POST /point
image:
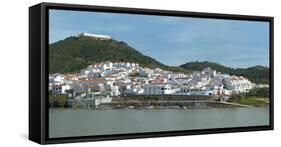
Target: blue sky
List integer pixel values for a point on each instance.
(172, 40)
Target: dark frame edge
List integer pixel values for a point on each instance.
(146, 11)
(44, 72)
(34, 74)
(37, 75)
(271, 64)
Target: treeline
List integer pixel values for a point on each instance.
(256, 97)
(256, 74)
(254, 93)
(259, 92)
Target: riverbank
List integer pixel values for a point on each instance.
(184, 104)
(251, 100)
(166, 102)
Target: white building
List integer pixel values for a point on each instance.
(147, 72)
(209, 71)
(102, 100)
(221, 76)
(56, 79)
(238, 84)
(187, 90)
(60, 89)
(115, 91)
(158, 89)
(78, 89)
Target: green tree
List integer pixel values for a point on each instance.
(61, 100)
(52, 100)
(259, 92)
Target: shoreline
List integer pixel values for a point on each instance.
(170, 107)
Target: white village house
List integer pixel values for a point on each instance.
(158, 89)
(238, 84)
(124, 78)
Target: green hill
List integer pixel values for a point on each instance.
(257, 74)
(75, 53)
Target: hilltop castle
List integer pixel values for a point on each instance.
(97, 36)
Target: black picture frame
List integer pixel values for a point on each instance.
(38, 72)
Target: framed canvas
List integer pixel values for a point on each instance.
(103, 73)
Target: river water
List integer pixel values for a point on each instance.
(85, 122)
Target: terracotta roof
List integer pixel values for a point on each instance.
(91, 87)
(237, 78)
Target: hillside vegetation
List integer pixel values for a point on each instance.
(75, 53)
(257, 74)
